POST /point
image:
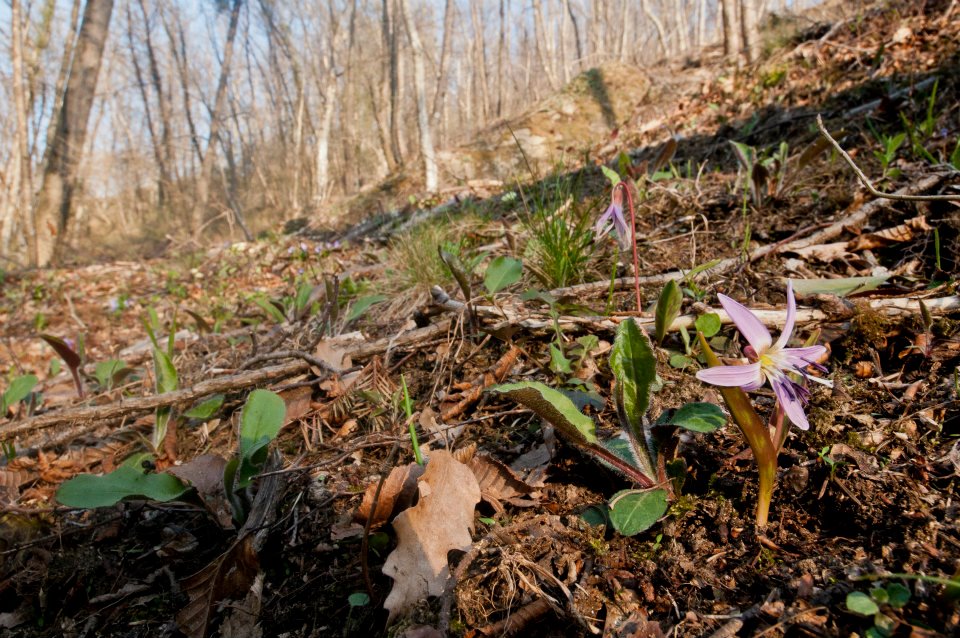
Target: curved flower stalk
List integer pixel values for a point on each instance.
(784, 368)
(613, 219)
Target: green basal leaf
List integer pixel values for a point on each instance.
(859, 603)
(680, 361)
(708, 324)
(668, 307)
(263, 416)
(105, 372)
(552, 406)
(558, 362)
(699, 417)
(839, 287)
(206, 409)
(268, 307)
(622, 448)
(363, 304)
(18, 390)
(502, 272)
(634, 511)
(610, 174)
(635, 368)
(89, 491)
(166, 373)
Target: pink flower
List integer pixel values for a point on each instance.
(770, 361)
(612, 217)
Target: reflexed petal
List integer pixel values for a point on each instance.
(791, 317)
(801, 357)
(604, 224)
(790, 403)
(750, 327)
(733, 376)
(619, 223)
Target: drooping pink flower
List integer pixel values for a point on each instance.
(612, 218)
(769, 361)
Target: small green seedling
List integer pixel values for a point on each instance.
(892, 597)
(18, 390)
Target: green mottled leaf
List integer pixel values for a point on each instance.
(860, 603)
(708, 324)
(17, 391)
(358, 599)
(668, 307)
(635, 367)
(206, 409)
(558, 362)
(166, 373)
(106, 371)
(699, 417)
(634, 511)
(363, 304)
(502, 272)
(88, 491)
(263, 416)
(552, 406)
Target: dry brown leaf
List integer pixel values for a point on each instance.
(497, 481)
(439, 522)
(227, 576)
(336, 351)
(888, 236)
(298, 402)
(205, 474)
(396, 495)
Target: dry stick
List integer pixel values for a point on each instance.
(866, 180)
(221, 384)
(830, 232)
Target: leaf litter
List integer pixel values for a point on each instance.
(868, 494)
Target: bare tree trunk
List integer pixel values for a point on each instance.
(480, 58)
(167, 170)
(390, 46)
(750, 28)
(576, 32)
(728, 21)
(420, 85)
(55, 200)
(543, 52)
(683, 42)
(202, 195)
(22, 213)
(624, 21)
(501, 50)
(657, 24)
(440, 91)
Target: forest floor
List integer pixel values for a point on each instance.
(339, 324)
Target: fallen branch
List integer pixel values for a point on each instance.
(833, 230)
(228, 383)
(869, 185)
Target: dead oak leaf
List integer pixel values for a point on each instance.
(396, 495)
(439, 522)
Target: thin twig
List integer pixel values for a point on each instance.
(869, 185)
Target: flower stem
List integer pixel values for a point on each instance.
(756, 433)
(633, 243)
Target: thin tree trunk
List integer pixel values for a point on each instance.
(390, 45)
(731, 44)
(658, 25)
(576, 32)
(23, 186)
(420, 86)
(750, 28)
(480, 59)
(55, 200)
(543, 52)
(167, 170)
(680, 16)
(624, 21)
(440, 91)
(501, 51)
(202, 194)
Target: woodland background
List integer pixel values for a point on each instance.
(128, 128)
